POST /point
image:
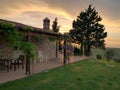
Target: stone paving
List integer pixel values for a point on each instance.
(37, 67)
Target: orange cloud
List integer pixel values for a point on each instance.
(65, 28)
(21, 7)
(110, 22)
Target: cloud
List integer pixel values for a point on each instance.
(70, 9)
(19, 6)
(35, 18)
(113, 42)
(11, 8)
(73, 7)
(32, 12)
(108, 9)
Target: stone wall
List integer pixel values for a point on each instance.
(45, 48)
(6, 51)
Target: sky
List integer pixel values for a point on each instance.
(32, 12)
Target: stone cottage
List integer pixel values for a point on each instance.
(46, 49)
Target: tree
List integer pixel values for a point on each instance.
(87, 30)
(55, 27)
(109, 54)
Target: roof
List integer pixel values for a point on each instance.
(21, 26)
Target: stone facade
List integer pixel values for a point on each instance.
(6, 51)
(45, 48)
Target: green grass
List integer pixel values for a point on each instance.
(84, 75)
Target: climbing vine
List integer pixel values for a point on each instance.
(53, 39)
(27, 28)
(41, 37)
(12, 34)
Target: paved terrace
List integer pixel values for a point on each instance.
(37, 67)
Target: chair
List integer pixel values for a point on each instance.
(4, 64)
(17, 62)
(1, 64)
(20, 61)
(13, 62)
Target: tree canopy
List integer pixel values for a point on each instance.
(88, 31)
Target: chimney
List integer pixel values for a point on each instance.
(46, 24)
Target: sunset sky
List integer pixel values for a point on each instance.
(32, 12)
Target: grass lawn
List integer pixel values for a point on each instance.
(84, 75)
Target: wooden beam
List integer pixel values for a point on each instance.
(64, 54)
(27, 58)
(56, 49)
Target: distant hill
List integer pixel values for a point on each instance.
(102, 52)
(117, 52)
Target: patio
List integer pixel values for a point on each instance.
(37, 67)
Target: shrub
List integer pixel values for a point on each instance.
(77, 51)
(98, 56)
(117, 60)
(109, 54)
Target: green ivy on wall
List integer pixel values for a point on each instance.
(53, 39)
(27, 28)
(12, 34)
(41, 37)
